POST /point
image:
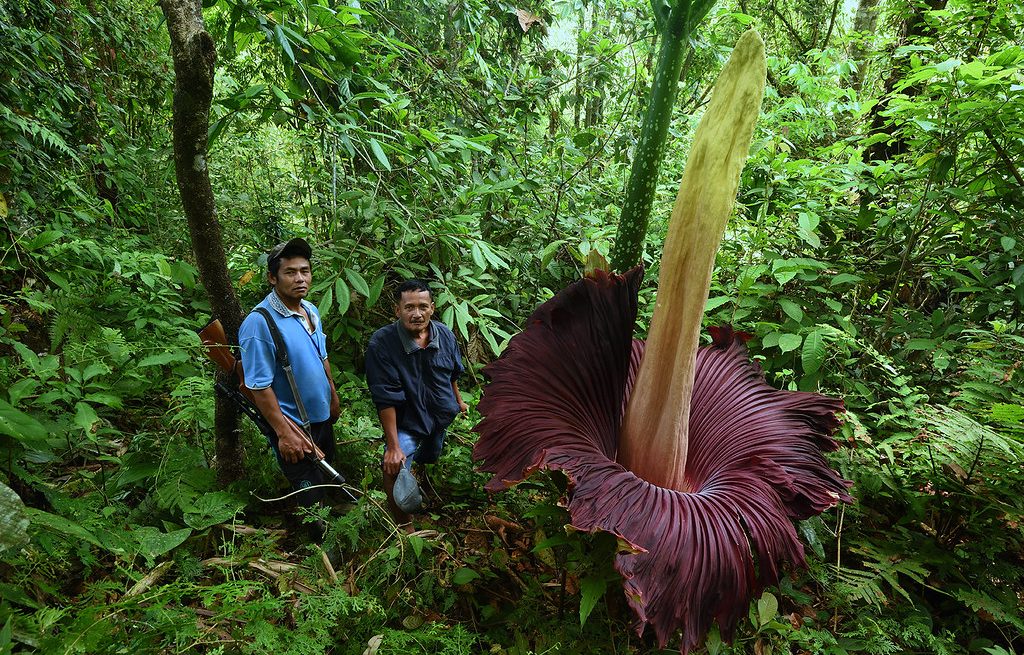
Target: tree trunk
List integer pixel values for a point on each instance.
(864, 23)
(914, 28)
(194, 58)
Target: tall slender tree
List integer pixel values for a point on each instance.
(194, 56)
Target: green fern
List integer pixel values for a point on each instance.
(38, 132)
(967, 445)
(882, 573)
(1001, 611)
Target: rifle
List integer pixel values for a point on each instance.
(217, 349)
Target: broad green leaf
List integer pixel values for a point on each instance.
(489, 338)
(327, 302)
(808, 224)
(845, 278)
(549, 251)
(22, 388)
(42, 239)
(464, 576)
(492, 257)
(478, 256)
(785, 275)
(94, 369)
(342, 296)
(791, 309)
(813, 353)
(108, 399)
(153, 542)
(921, 344)
(503, 185)
(285, 44)
(811, 536)
(213, 508)
(16, 423)
(163, 267)
(463, 319)
(358, 282)
(85, 417)
(767, 608)
(280, 94)
(62, 525)
(1007, 243)
(974, 68)
(417, 544)
(591, 589)
(378, 153)
(167, 357)
(584, 139)
(375, 289)
(715, 303)
(713, 641)
(789, 342)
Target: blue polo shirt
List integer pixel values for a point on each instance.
(416, 381)
(306, 351)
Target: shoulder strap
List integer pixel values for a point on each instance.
(275, 334)
(281, 354)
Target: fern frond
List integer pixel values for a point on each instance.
(966, 443)
(999, 611)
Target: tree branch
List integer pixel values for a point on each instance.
(792, 31)
(1005, 157)
(831, 23)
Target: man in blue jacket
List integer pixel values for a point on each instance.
(290, 275)
(412, 369)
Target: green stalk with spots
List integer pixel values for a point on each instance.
(675, 22)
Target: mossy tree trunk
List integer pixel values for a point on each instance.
(194, 55)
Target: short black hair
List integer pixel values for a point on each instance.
(412, 284)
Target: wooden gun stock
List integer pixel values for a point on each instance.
(217, 349)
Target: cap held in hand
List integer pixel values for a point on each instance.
(407, 492)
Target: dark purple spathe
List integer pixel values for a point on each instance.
(555, 401)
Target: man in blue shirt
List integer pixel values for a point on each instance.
(412, 369)
(290, 275)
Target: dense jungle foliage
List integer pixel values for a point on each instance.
(875, 255)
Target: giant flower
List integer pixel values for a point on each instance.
(685, 453)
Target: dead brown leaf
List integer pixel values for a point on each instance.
(528, 20)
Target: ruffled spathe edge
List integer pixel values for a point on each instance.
(555, 400)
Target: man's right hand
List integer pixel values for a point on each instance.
(394, 459)
(292, 443)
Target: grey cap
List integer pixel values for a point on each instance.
(407, 492)
(291, 248)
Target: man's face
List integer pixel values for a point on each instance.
(293, 278)
(414, 310)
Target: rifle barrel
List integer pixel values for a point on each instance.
(250, 410)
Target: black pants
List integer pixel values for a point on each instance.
(305, 473)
